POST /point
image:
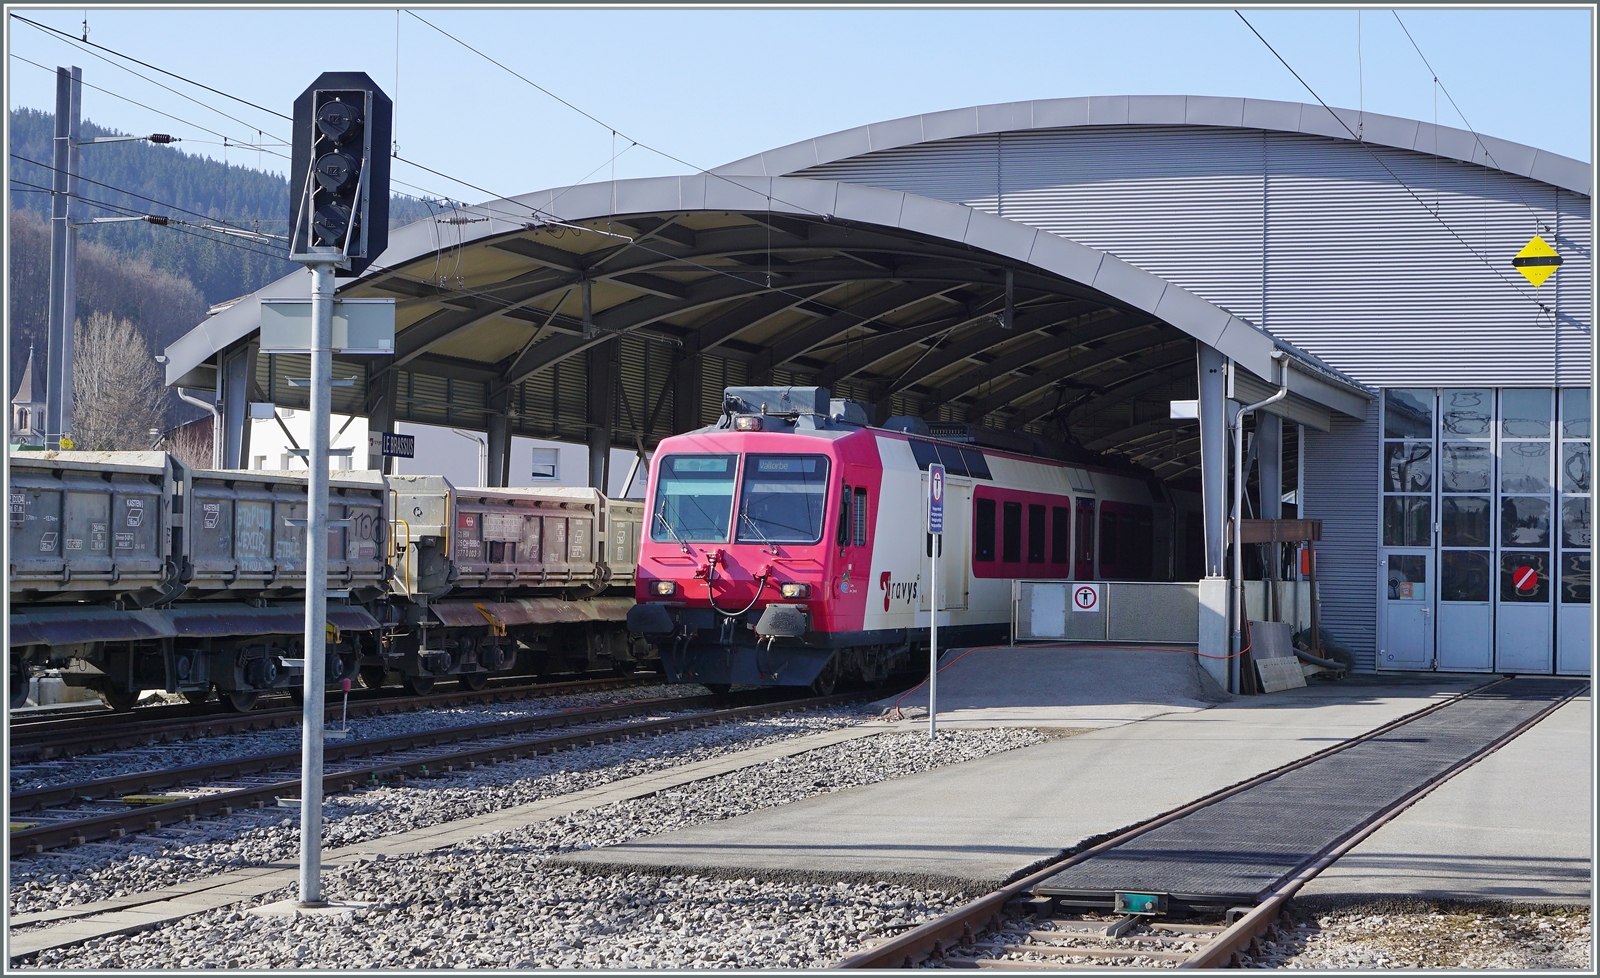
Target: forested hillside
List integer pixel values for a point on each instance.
(161, 278)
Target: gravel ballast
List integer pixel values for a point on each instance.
(210, 749)
(1424, 934)
(498, 902)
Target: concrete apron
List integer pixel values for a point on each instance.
(1055, 686)
(1515, 827)
(976, 825)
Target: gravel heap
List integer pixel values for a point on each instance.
(215, 748)
(1423, 934)
(496, 902)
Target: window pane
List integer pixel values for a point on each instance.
(1464, 521)
(1408, 577)
(977, 466)
(1407, 466)
(950, 457)
(1525, 413)
(1575, 466)
(1465, 467)
(1011, 533)
(1408, 414)
(1407, 521)
(1108, 539)
(1524, 466)
(1575, 412)
(1060, 535)
(983, 530)
(1464, 575)
(1036, 533)
(1575, 529)
(1524, 521)
(1524, 577)
(694, 498)
(1575, 578)
(1466, 413)
(783, 499)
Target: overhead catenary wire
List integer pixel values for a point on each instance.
(1539, 221)
(1387, 169)
(542, 216)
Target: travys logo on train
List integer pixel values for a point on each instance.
(905, 591)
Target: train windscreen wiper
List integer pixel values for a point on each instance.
(745, 515)
(668, 524)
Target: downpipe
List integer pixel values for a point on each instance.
(1238, 512)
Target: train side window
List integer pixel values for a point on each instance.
(858, 518)
(983, 531)
(1060, 535)
(844, 517)
(1035, 533)
(1108, 538)
(1129, 552)
(1011, 533)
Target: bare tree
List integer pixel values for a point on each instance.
(117, 388)
(191, 443)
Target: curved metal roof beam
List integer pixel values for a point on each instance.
(1068, 368)
(1172, 110)
(995, 240)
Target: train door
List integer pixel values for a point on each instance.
(1083, 566)
(953, 546)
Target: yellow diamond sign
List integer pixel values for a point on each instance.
(1537, 261)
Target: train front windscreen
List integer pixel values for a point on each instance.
(781, 500)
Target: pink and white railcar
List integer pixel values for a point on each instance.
(787, 544)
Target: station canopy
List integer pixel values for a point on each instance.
(702, 282)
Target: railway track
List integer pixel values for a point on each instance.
(56, 738)
(1016, 929)
(112, 808)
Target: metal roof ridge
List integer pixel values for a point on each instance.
(1235, 112)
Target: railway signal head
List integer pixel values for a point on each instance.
(339, 174)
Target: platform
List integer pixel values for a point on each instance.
(991, 820)
(1054, 686)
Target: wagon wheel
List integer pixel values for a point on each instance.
(474, 680)
(197, 696)
(19, 688)
(718, 689)
(240, 700)
(827, 678)
(419, 685)
(121, 700)
(372, 677)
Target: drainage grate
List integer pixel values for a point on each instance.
(1234, 851)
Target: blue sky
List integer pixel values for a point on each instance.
(708, 86)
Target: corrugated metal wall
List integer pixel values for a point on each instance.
(1342, 491)
(1308, 236)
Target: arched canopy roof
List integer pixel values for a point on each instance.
(884, 296)
(1173, 110)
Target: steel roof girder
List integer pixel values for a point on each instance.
(902, 296)
(1035, 353)
(1130, 343)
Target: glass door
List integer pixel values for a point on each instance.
(1524, 622)
(1572, 595)
(1466, 530)
(1405, 626)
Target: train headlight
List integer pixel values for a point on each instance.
(664, 588)
(747, 422)
(795, 590)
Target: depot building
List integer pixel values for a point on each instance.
(1111, 276)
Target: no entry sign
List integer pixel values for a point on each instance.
(1525, 578)
(1086, 597)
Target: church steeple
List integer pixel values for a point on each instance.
(27, 407)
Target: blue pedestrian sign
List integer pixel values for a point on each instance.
(935, 498)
